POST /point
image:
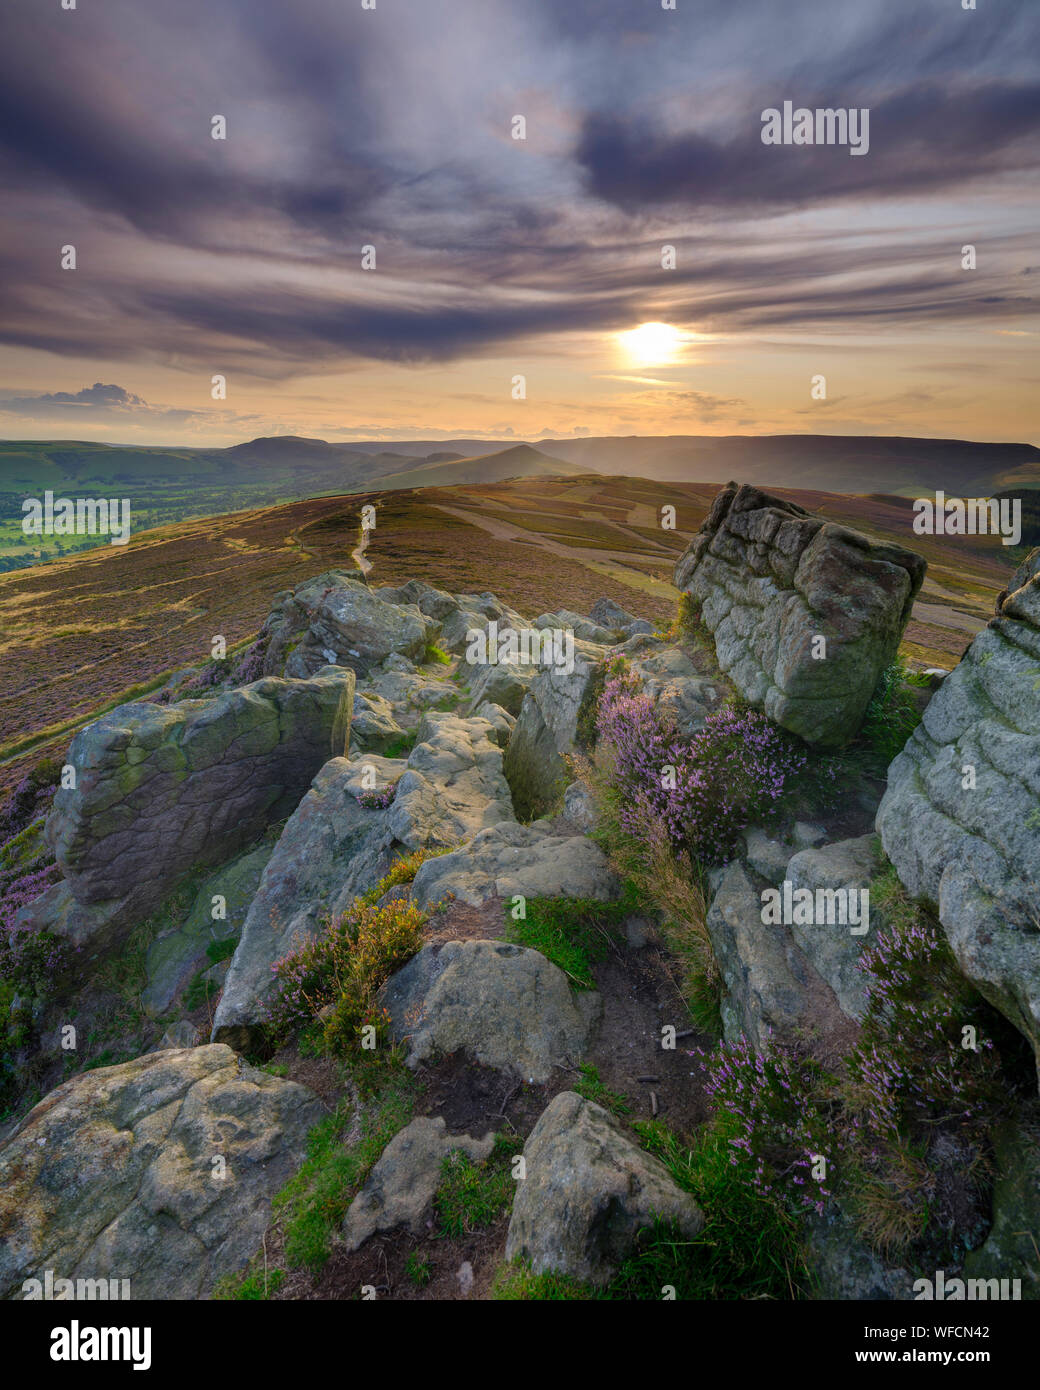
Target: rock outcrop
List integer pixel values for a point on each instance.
(845, 867)
(336, 619)
(960, 819)
(547, 729)
(332, 849)
(588, 1192)
(510, 859)
(453, 786)
(115, 1173)
(161, 790)
(769, 578)
(506, 1006)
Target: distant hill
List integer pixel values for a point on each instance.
(520, 461)
(833, 463)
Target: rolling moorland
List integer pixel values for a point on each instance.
(168, 485)
(370, 1006)
(88, 631)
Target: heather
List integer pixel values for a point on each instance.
(902, 1120)
(740, 769)
(343, 970)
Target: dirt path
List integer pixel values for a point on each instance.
(615, 563)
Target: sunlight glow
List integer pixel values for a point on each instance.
(651, 344)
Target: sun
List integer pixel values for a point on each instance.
(651, 344)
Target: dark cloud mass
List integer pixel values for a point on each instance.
(391, 127)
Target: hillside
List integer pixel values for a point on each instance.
(79, 632)
(519, 461)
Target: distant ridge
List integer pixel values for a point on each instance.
(519, 461)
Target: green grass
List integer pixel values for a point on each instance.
(256, 1286)
(401, 746)
(592, 1088)
(574, 933)
(217, 951)
(419, 1270)
(892, 714)
(473, 1196)
(314, 1202)
(436, 656)
(515, 1283)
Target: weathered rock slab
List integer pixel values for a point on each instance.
(161, 790)
(960, 818)
(332, 849)
(112, 1175)
(510, 859)
(588, 1192)
(506, 1006)
(401, 1187)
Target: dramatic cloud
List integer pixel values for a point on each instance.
(392, 128)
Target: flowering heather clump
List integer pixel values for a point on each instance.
(29, 960)
(345, 968)
(910, 1066)
(909, 1080)
(30, 799)
(379, 799)
(777, 1131)
(734, 772)
(250, 668)
(214, 673)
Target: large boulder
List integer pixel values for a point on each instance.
(401, 1187)
(114, 1174)
(453, 786)
(588, 1192)
(960, 819)
(332, 849)
(505, 1006)
(161, 790)
(547, 729)
(336, 619)
(510, 859)
(769, 578)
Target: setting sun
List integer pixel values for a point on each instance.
(651, 344)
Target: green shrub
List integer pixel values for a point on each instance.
(345, 968)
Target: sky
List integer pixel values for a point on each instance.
(499, 259)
